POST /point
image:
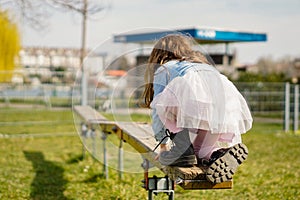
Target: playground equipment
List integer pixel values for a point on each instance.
(189, 178)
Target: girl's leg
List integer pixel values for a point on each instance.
(205, 144)
(182, 153)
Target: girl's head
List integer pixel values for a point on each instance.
(175, 47)
(171, 47)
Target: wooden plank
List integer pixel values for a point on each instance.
(140, 137)
(90, 115)
(204, 184)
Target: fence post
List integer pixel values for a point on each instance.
(287, 107)
(296, 107)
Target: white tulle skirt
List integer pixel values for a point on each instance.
(204, 100)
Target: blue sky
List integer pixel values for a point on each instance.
(280, 19)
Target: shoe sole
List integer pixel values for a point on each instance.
(224, 167)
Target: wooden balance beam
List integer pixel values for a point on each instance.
(140, 137)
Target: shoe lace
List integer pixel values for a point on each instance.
(217, 154)
(203, 161)
(169, 134)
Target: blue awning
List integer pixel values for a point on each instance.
(201, 35)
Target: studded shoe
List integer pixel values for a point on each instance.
(224, 163)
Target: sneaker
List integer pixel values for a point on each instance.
(224, 163)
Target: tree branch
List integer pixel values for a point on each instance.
(35, 12)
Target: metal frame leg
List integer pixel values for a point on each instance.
(156, 185)
(94, 139)
(105, 168)
(84, 130)
(150, 195)
(120, 163)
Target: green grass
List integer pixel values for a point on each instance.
(53, 168)
(31, 121)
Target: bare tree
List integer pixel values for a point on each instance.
(85, 9)
(35, 12)
(32, 12)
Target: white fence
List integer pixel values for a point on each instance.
(277, 101)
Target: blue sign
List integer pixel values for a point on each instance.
(203, 35)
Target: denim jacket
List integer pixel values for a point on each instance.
(163, 75)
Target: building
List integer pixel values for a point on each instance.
(204, 36)
(49, 62)
(47, 57)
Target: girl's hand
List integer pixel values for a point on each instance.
(163, 147)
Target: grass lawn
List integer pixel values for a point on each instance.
(52, 167)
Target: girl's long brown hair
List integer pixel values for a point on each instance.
(171, 47)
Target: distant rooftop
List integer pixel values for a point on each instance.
(201, 35)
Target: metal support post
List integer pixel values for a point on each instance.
(287, 108)
(94, 139)
(145, 165)
(296, 108)
(105, 167)
(156, 185)
(226, 55)
(84, 131)
(120, 164)
(160, 185)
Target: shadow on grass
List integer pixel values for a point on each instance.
(48, 182)
(75, 159)
(95, 178)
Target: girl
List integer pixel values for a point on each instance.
(198, 108)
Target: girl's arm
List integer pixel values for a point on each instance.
(160, 82)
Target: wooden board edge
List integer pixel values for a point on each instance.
(204, 184)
